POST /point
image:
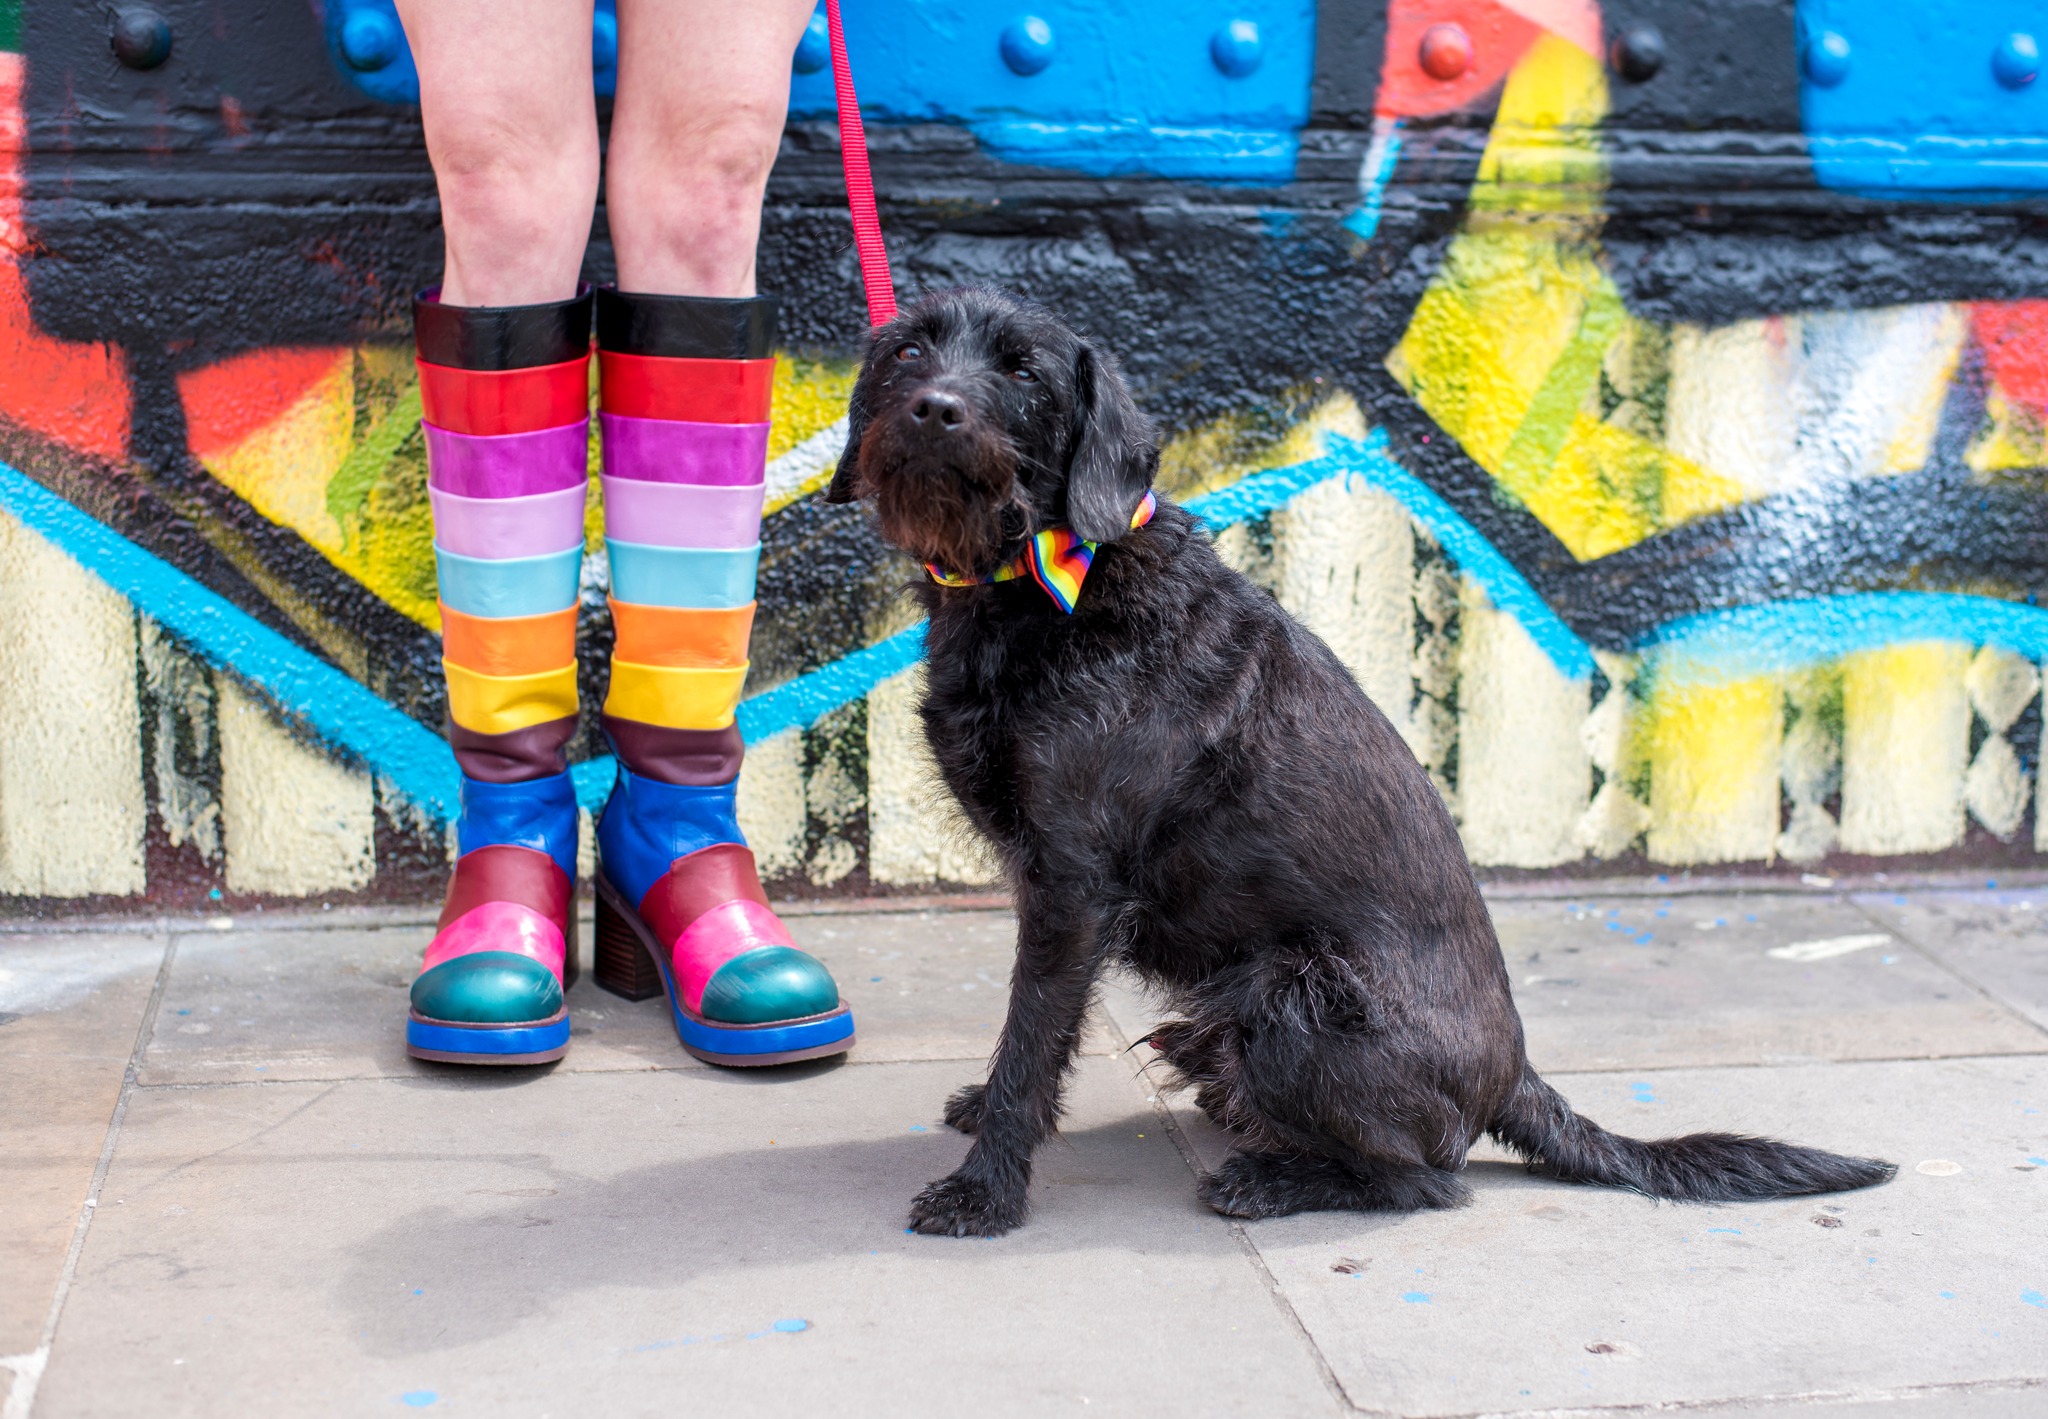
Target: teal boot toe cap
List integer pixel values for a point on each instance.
(766, 984)
(488, 988)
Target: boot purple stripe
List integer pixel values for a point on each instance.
(670, 451)
(682, 514)
(508, 465)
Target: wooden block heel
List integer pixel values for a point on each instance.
(620, 963)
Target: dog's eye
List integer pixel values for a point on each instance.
(910, 352)
(1023, 376)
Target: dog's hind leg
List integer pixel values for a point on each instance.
(1276, 1184)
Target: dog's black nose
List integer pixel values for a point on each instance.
(936, 412)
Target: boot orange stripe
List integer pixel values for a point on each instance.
(509, 645)
(682, 638)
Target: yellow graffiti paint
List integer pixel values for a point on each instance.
(1905, 747)
(810, 395)
(1221, 452)
(283, 468)
(1713, 752)
(2014, 436)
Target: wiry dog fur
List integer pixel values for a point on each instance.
(1181, 778)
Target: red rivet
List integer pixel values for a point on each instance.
(1446, 51)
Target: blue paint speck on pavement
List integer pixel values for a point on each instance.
(1730, 1231)
(791, 1327)
(2034, 1298)
(419, 1398)
(1416, 1298)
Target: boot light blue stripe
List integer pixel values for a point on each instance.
(695, 577)
(514, 586)
(540, 814)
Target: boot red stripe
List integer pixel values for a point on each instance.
(503, 873)
(697, 882)
(695, 391)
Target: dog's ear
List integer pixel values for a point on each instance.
(845, 485)
(1114, 456)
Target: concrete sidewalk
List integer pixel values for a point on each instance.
(225, 1190)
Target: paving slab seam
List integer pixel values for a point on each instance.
(1899, 929)
(1807, 1060)
(28, 1369)
(1819, 1400)
(1146, 1078)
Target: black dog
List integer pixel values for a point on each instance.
(1180, 777)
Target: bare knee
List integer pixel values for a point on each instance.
(685, 200)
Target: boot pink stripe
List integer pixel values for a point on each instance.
(496, 528)
(671, 451)
(502, 926)
(683, 514)
(727, 930)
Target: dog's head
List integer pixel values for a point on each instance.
(980, 419)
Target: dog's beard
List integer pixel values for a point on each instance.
(962, 513)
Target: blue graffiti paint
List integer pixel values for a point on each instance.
(1114, 89)
(419, 1398)
(1718, 647)
(1366, 461)
(1904, 98)
(305, 688)
(1374, 173)
(1416, 1298)
(803, 701)
(2034, 1298)
(1106, 90)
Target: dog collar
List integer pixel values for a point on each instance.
(1056, 559)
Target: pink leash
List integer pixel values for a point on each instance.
(860, 185)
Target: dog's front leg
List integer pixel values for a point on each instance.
(1049, 993)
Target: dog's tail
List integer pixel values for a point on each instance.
(1699, 1167)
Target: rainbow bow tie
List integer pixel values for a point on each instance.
(1056, 559)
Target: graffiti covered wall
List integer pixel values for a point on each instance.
(1646, 399)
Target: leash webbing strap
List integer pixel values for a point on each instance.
(860, 185)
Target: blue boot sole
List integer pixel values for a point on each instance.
(454, 1042)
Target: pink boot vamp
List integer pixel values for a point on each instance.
(501, 926)
(727, 930)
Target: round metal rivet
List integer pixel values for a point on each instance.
(604, 40)
(814, 50)
(141, 37)
(2016, 62)
(1446, 51)
(1235, 48)
(1826, 59)
(370, 40)
(1638, 53)
(1027, 45)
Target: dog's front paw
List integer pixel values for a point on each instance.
(965, 1109)
(965, 1207)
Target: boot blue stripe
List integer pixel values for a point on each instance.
(648, 825)
(540, 814)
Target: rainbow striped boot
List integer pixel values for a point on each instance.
(505, 395)
(686, 391)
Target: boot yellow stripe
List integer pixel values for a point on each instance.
(675, 697)
(499, 704)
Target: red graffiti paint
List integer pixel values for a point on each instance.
(227, 402)
(1418, 79)
(2014, 338)
(76, 394)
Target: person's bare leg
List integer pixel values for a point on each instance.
(505, 93)
(703, 96)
